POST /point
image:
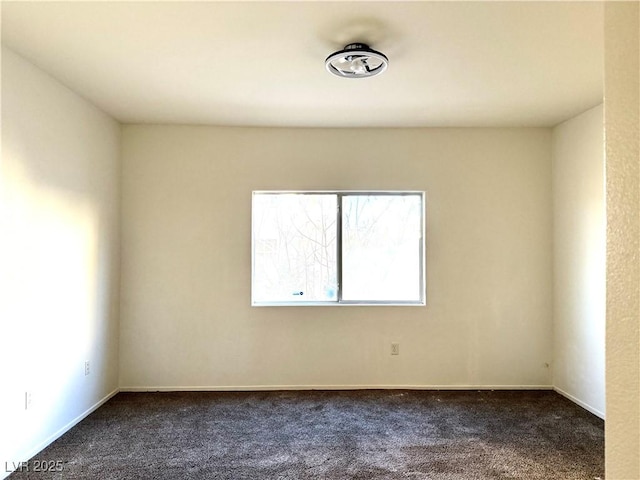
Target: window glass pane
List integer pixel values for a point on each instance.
(381, 247)
(294, 247)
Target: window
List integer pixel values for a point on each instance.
(337, 248)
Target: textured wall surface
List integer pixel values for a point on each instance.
(622, 47)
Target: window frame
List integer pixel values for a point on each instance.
(339, 302)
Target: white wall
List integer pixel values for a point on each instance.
(185, 314)
(622, 124)
(579, 247)
(59, 251)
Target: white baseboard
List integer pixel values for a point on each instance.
(244, 388)
(61, 431)
(577, 401)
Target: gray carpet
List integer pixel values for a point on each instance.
(369, 434)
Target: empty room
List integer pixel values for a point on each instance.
(296, 240)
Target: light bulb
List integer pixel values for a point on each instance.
(358, 65)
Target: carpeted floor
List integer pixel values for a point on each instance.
(368, 434)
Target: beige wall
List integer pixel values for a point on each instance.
(186, 319)
(59, 212)
(621, 119)
(579, 239)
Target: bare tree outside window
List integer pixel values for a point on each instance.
(337, 248)
(381, 247)
(295, 247)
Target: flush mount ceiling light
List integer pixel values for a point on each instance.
(356, 60)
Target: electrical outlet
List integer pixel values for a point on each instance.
(87, 368)
(28, 398)
(395, 349)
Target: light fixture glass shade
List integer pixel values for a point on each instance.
(356, 60)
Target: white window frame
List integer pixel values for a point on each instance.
(339, 301)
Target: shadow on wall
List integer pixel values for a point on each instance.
(58, 251)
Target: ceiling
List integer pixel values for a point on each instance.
(262, 63)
